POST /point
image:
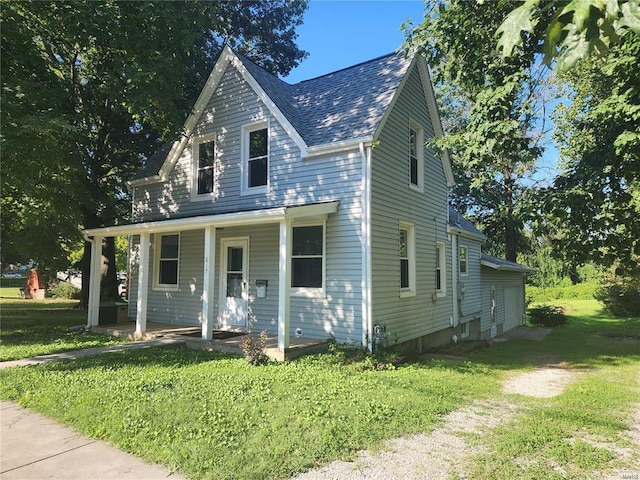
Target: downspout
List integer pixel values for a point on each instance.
(454, 278)
(367, 326)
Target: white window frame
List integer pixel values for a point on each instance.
(165, 287)
(195, 161)
(441, 264)
(244, 164)
(464, 262)
(416, 127)
(311, 291)
(409, 291)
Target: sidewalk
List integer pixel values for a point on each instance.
(35, 447)
(88, 352)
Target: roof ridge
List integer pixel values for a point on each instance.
(343, 69)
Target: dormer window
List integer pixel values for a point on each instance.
(255, 161)
(416, 157)
(204, 159)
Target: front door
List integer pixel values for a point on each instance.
(233, 283)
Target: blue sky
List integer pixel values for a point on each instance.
(338, 34)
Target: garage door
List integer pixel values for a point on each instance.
(513, 307)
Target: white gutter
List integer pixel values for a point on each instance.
(335, 147)
(252, 217)
(367, 321)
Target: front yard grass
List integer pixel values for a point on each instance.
(41, 327)
(213, 416)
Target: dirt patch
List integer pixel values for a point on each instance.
(541, 383)
(437, 455)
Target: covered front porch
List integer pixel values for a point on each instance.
(222, 341)
(213, 231)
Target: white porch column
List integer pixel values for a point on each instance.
(207, 282)
(143, 283)
(95, 276)
(284, 281)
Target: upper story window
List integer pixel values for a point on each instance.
(205, 159)
(203, 166)
(307, 256)
(462, 260)
(416, 157)
(407, 260)
(255, 161)
(167, 259)
(441, 279)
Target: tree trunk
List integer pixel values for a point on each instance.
(109, 283)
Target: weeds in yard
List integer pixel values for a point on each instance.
(254, 348)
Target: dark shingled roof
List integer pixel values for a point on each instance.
(343, 105)
(458, 221)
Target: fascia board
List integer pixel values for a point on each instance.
(193, 223)
(436, 121)
(275, 111)
(336, 147)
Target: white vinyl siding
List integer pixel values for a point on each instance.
(501, 280)
(469, 285)
(392, 202)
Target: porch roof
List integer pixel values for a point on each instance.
(247, 217)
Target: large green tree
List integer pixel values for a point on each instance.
(492, 111)
(594, 205)
(91, 89)
(569, 31)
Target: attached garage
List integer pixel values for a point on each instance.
(503, 285)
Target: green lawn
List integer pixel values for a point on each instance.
(213, 416)
(40, 327)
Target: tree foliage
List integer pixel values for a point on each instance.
(569, 31)
(90, 89)
(491, 110)
(593, 206)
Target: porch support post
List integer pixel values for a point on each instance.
(207, 282)
(95, 276)
(143, 283)
(284, 281)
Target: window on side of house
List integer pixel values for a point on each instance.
(167, 255)
(407, 260)
(416, 156)
(204, 153)
(441, 281)
(307, 256)
(462, 260)
(256, 159)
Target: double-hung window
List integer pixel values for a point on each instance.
(256, 158)
(416, 157)
(407, 260)
(441, 279)
(204, 158)
(167, 259)
(462, 260)
(307, 256)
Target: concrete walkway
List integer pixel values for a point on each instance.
(88, 352)
(35, 447)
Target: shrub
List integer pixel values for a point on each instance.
(254, 348)
(547, 316)
(620, 296)
(63, 290)
(580, 291)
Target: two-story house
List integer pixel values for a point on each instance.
(312, 210)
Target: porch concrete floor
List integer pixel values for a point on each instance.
(223, 341)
